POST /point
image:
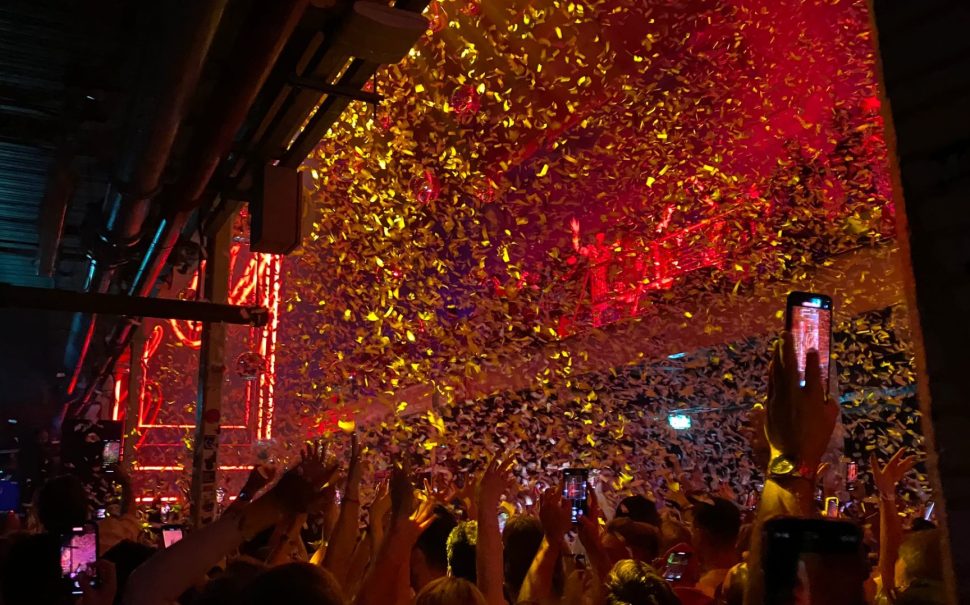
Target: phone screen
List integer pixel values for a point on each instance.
(809, 319)
(503, 518)
(813, 562)
(574, 484)
(111, 454)
(928, 513)
(171, 535)
(79, 552)
(676, 564)
(852, 471)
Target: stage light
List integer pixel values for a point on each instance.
(679, 422)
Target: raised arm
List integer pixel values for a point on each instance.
(171, 571)
(489, 564)
(554, 513)
(340, 548)
(886, 479)
(798, 425)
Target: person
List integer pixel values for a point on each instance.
(636, 583)
(520, 541)
(62, 503)
(450, 591)
(295, 584)
(462, 544)
(639, 509)
(716, 523)
(429, 557)
(919, 569)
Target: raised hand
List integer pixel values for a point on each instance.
(554, 514)
(103, 591)
(799, 420)
(888, 477)
(495, 479)
(260, 476)
(402, 491)
(303, 484)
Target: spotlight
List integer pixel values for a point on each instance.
(679, 422)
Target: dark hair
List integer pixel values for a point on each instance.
(520, 541)
(295, 584)
(229, 587)
(433, 542)
(461, 551)
(922, 553)
(31, 573)
(449, 591)
(62, 503)
(636, 583)
(720, 520)
(639, 509)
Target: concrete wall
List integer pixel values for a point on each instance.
(925, 52)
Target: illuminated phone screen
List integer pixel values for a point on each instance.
(79, 552)
(171, 535)
(811, 328)
(574, 489)
(111, 453)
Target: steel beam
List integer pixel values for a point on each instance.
(212, 368)
(132, 306)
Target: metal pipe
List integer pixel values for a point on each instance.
(152, 127)
(260, 43)
(263, 37)
(47, 299)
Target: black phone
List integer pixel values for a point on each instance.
(79, 552)
(171, 534)
(808, 317)
(574, 484)
(851, 473)
(676, 565)
(111, 453)
(813, 561)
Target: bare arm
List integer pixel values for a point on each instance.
(287, 544)
(382, 584)
(555, 516)
(341, 545)
(489, 565)
(890, 527)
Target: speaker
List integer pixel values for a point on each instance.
(276, 212)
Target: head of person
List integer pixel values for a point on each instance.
(636, 583)
(230, 586)
(638, 508)
(31, 572)
(62, 503)
(462, 543)
(716, 523)
(734, 584)
(294, 584)
(920, 558)
(520, 543)
(450, 591)
(429, 557)
(640, 540)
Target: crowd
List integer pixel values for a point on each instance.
(473, 534)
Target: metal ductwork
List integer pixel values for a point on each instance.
(152, 125)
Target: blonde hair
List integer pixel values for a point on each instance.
(450, 591)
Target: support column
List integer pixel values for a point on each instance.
(925, 60)
(136, 388)
(208, 416)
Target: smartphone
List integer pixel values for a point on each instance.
(100, 514)
(751, 502)
(79, 552)
(813, 561)
(171, 534)
(676, 565)
(851, 472)
(111, 454)
(930, 508)
(808, 317)
(832, 507)
(503, 518)
(574, 484)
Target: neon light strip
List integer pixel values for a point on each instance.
(187, 426)
(274, 314)
(179, 468)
